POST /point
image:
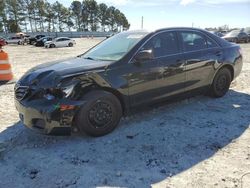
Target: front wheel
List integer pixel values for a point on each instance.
(100, 114)
(221, 83)
(52, 46)
(70, 44)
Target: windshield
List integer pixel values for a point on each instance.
(233, 33)
(116, 47)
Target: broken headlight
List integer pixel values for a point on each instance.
(68, 87)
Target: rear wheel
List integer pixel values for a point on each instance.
(100, 114)
(70, 44)
(221, 83)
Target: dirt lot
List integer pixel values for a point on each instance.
(199, 142)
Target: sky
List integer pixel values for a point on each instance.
(187, 13)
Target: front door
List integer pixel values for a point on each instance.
(143, 82)
(160, 77)
(172, 65)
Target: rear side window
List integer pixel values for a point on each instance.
(163, 44)
(211, 44)
(193, 41)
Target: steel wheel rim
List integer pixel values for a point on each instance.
(100, 115)
(221, 84)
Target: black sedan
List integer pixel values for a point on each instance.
(33, 39)
(42, 41)
(131, 69)
(247, 31)
(237, 37)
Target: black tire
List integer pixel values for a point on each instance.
(70, 44)
(52, 46)
(221, 83)
(100, 114)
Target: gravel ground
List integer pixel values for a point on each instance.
(198, 142)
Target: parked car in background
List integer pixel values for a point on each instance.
(131, 69)
(41, 41)
(15, 40)
(217, 33)
(247, 31)
(60, 42)
(236, 36)
(33, 39)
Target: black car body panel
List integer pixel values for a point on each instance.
(34, 39)
(42, 104)
(41, 41)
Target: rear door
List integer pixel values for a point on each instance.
(202, 55)
(66, 42)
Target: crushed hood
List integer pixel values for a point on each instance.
(51, 73)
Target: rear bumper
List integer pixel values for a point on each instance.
(47, 117)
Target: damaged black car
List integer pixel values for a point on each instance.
(135, 68)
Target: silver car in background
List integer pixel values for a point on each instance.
(60, 42)
(15, 40)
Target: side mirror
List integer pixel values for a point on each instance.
(144, 55)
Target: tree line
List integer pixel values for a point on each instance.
(42, 16)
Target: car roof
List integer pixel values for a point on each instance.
(171, 29)
(220, 41)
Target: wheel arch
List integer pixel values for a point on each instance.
(118, 95)
(229, 67)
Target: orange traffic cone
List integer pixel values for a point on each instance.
(5, 68)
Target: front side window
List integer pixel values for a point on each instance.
(163, 44)
(193, 41)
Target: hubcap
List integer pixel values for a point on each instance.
(100, 114)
